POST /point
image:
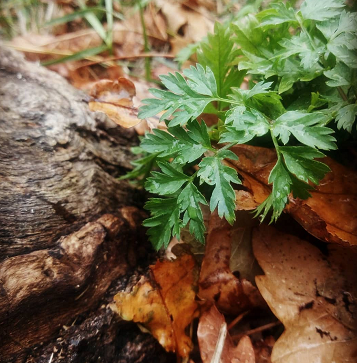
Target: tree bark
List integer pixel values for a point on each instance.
(68, 228)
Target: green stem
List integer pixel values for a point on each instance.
(146, 44)
(228, 146)
(353, 83)
(276, 145)
(303, 28)
(109, 15)
(192, 177)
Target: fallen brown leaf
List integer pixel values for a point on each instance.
(208, 335)
(262, 350)
(165, 304)
(114, 98)
(217, 283)
(192, 23)
(245, 200)
(313, 296)
(330, 214)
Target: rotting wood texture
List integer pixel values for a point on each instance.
(68, 227)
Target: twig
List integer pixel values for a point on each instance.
(130, 56)
(237, 320)
(256, 330)
(342, 93)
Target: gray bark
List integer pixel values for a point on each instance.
(68, 228)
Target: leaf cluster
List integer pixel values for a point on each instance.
(301, 66)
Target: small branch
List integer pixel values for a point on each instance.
(237, 320)
(129, 56)
(256, 330)
(342, 94)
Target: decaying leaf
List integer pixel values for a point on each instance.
(263, 349)
(192, 23)
(217, 282)
(313, 296)
(333, 204)
(208, 336)
(114, 98)
(245, 200)
(242, 260)
(165, 304)
(330, 214)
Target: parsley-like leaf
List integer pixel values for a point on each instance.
(142, 167)
(186, 146)
(213, 172)
(279, 13)
(218, 53)
(302, 45)
(304, 65)
(299, 160)
(346, 117)
(190, 199)
(340, 75)
(321, 10)
(164, 222)
(165, 183)
(281, 180)
(184, 100)
(244, 127)
(306, 129)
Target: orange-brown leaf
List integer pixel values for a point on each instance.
(115, 99)
(330, 214)
(313, 296)
(165, 305)
(217, 282)
(208, 334)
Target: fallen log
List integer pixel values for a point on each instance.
(68, 228)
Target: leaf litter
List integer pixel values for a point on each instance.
(313, 295)
(164, 303)
(336, 195)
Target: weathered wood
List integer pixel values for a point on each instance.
(58, 161)
(68, 227)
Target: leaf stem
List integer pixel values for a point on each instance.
(342, 93)
(353, 83)
(228, 146)
(146, 44)
(276, 145)
(303, 28)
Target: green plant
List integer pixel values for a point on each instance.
(17, 17)
(302, 67)
(92, 16)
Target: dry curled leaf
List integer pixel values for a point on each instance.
(330, 214)
(313, 296)
(165, 304)
(114, 98)
(208, 335)
(217, 283)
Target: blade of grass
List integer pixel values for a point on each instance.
(94, 22)
(77, 56)
(80, 14)
(109, 14)
(146, 43)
